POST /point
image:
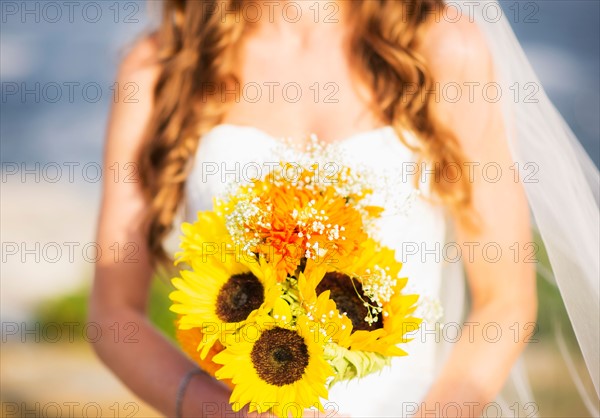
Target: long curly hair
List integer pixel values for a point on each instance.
(198, 48)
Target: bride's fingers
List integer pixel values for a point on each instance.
(309, 413)
(327, 413)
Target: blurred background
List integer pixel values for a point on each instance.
(58, 62)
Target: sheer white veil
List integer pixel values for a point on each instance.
(562, 195)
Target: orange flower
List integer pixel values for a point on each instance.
(288, 221)
(189, 340)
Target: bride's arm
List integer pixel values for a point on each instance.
(503, 292)
(136, 352)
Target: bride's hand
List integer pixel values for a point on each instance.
(309, 413)
(327, 413)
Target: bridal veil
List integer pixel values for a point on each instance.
(562, 195)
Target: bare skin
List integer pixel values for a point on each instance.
(502, 292)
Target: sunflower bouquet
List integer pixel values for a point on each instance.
(286, 289)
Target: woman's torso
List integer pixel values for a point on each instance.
(232, 153)
(295, 86)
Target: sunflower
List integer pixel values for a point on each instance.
(220, 295)
(369, 292)
(322, 309)
(207, 236)
(281, 368)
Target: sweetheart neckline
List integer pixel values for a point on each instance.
(270, 136)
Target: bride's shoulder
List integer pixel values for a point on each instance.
(141, 60)
(455, 48)
(136, 79)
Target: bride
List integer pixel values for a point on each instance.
(394, 84)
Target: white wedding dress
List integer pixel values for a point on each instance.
(227, 150)
(563, 200)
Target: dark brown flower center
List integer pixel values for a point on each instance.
(242, 294)
(280, 356)
(344, 294)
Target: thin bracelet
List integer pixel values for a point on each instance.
(181, 391)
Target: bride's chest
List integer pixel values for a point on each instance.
(287, 93)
